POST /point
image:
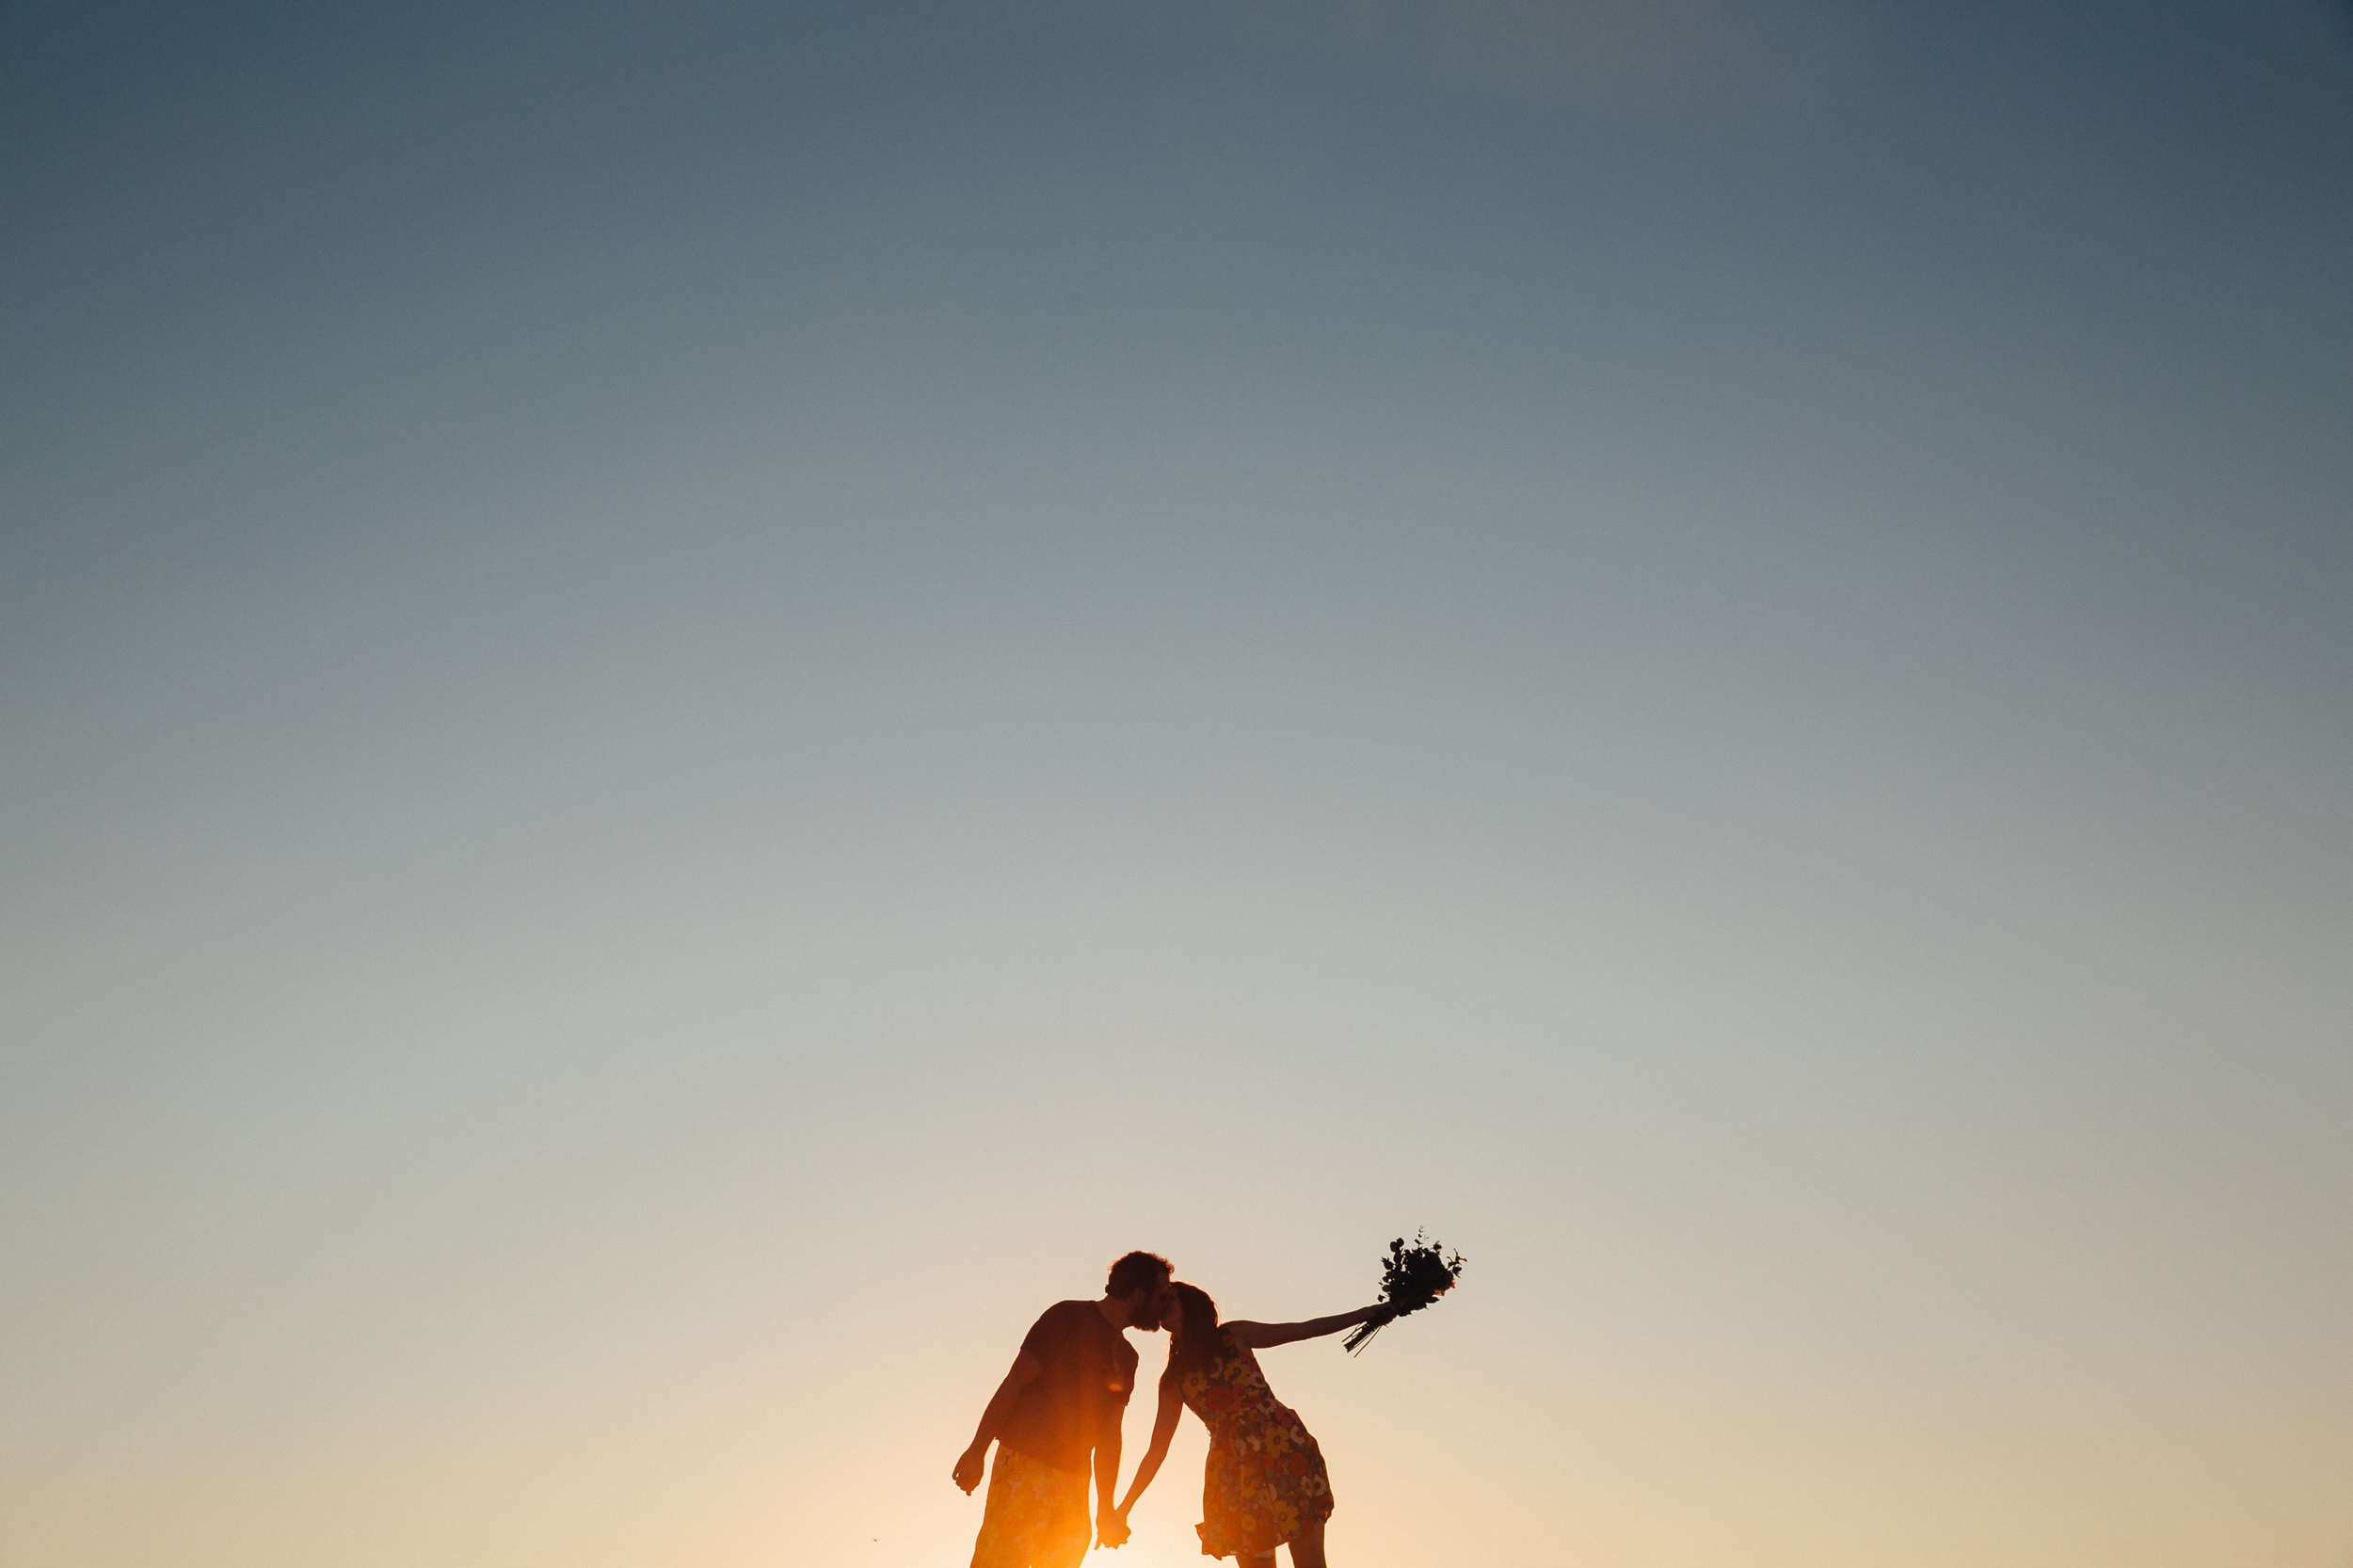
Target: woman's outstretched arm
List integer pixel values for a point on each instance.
(1257, 1337)
(1164, 1421)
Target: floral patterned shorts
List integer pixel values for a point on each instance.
(1037, 1515)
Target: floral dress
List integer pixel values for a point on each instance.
(1265, 1480)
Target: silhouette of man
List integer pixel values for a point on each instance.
(1058, 1409)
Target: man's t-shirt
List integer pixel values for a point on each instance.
(1076, 1400)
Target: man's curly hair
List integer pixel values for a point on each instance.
(1138, 1270)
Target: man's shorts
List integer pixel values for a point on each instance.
(1037, 1515)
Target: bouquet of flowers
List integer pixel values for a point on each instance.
(1411, 1279)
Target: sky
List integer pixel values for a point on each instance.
(697, 700)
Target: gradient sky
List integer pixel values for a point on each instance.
(695, 700)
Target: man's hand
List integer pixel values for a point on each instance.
(1113, 1530)
(1024, 1370)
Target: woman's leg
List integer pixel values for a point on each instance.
(1308, 1547)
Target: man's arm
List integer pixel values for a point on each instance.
(1110, 1530)
(972, 1463)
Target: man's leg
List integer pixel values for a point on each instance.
(1037, 1515)
(1065, 1532)
(1062, 1551)
(999, 1545)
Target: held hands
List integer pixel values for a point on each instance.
(971, 1467)
(1111, 1529)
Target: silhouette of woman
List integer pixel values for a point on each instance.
(1264, 1485)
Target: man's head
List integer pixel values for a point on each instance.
(1140, 1280)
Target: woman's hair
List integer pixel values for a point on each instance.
(1199, 1341)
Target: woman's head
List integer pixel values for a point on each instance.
(1193, 1316)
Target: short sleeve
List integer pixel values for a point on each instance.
(1049, 1335)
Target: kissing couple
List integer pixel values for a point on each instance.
(1057, 1415)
